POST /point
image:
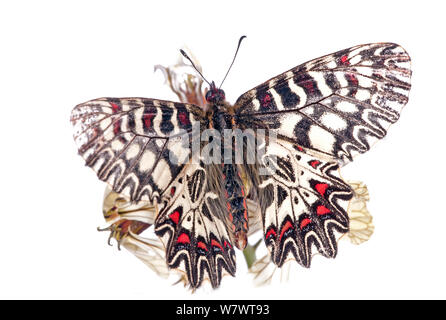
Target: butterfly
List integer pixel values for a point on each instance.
(322, 113)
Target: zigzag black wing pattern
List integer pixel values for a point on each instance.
(193, 228)
(339, 104)
(303, 204)
(130, 142)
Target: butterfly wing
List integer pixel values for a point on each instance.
(303, 204)
(130, 142)
(339, 104)
(193, 228)
(324, 112)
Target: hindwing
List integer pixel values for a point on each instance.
(194, 229)
(303, 204)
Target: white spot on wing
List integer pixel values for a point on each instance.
(109, 134)
(161, 174)
(333, 121)
(355, 59)
(363, 95)
(256, 104)
(346, 106)
(132, 151)
(104, 123)
(332, 64)
(321, 139)
(288, 123)
(365, 71)
(117, 145)
(147, 161)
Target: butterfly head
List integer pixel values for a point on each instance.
(214, 94)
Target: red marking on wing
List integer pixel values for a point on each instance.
(321, 210)
(115, 107)
(314, 163)
(227, 244)
(216, 244)
(344, 60)
(300, 148)
(201, 245)
(183, 238)
(175, 216)
(286, 227)
(172, 191)
(117, 127)
(308, 85)
(304, 223)
(266, 100)
(147, 118)
(353, 81)
(182, 116)
(321, 188)
(269, 233)
(352, 78)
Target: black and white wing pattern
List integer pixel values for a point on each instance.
(339, 104)
(324, 112)
(303, 204)
(193, 228)
(130, 142)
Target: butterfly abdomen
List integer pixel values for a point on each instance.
(236, 204)
(232, 184)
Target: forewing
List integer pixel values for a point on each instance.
(303, 204)
(130, 142)
(194, 231)
(338, 104)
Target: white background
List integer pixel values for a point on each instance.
(56, 54)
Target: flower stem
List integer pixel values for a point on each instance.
(250, 253)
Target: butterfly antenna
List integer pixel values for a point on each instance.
(235, 55)
(193, 65)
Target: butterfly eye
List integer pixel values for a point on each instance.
(209, 96)
(215, 95)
